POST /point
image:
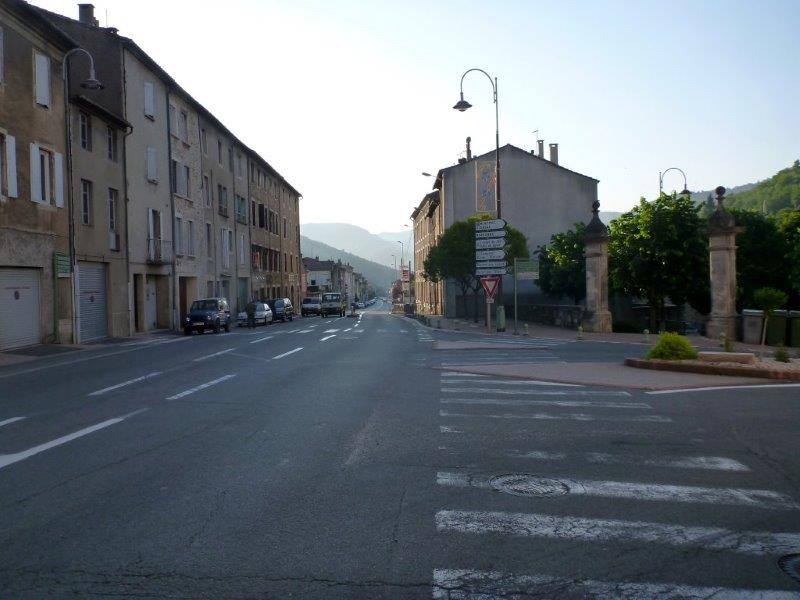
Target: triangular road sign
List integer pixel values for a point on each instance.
(490, 285)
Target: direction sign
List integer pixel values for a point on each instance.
(527, 270)
(490, 254)
(490, 285)
(484, 264)
(491, 271)
(489, 225)
(490, 243)
(490, 234)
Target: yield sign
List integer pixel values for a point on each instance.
(490, 285)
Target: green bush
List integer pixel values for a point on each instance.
(781, 355)
(672, 346)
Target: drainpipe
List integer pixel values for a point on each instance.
(71, 212)
(172, 212)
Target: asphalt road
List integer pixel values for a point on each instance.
(340, 458)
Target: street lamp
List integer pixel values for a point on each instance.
(402, 283)
(685, 191)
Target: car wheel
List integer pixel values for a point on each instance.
(187, 331)
(216, 327)
(227, 327)
(291, 318)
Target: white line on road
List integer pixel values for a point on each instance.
(124, 383)
(215, 354)
(449, 429)
(634, 491)
(10, 459)
(561, 417)
(531, 402)
(726, 387)
(468, 584)
(604, 530)
(458, 374)
(348, 329)
(526, 382)
(263, 339)
(469, 390)
(327, 337)
(708, 463)
(330, 331)
(201, 387)
(10, 421)
(305, 331)
(287, 353)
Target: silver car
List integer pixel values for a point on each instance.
(263, 315)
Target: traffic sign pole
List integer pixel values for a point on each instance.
(515, 297)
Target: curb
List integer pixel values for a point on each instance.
(735, 371)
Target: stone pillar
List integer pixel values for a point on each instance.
(722, 232)
(597, 317)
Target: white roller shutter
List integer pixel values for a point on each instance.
(19, 308)
(149, 100)
(93, 301)
(42, 79)
(58, 165)
(36, 175)
(11, 166)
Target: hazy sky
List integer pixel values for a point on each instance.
(351, 101)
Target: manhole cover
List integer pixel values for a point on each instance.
(790, 564)
(529, 485)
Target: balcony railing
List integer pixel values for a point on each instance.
(159, 252)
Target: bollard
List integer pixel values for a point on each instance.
(525, 329)
(580, 332)
(646, 336)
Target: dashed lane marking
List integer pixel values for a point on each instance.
(125, 383)
(213, 355)
(708, 463)
(529, 392)
(263, 339)
(331, 331)
(287, 353)
(560, 417)
(533, 402)
(200, 387)
(327, 337)
(10, 421)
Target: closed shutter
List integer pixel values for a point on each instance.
(149, 100)
(58, 161)
(93, 301)
(19, 308)
(42, 80)
(11, 166)
(36, 175)
(152, 165)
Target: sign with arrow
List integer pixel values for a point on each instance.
(491, 271)
(489, 225)
(490, 254)
(490, 234)
(490, 243)
(485, 264)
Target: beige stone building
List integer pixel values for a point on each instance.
(35, 275)
(428, 227)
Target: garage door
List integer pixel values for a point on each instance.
(19, 308)
(93, 301)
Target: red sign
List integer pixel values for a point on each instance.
(490, 285)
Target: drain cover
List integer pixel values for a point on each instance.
(790, 564)
(529, 485)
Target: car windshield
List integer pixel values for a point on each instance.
(310, 301)
(204, 305)
(331, 297)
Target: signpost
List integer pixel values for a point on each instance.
(526, 270)
(482, 244)
(490, 254)
(490, 285)
(490, 234)
(490, 259)
(490, 225)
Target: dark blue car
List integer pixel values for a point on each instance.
(209, 313)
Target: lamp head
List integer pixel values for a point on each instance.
(91, 84)
(462, 104)
(686, 192)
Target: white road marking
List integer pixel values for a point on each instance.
(213, 355)
(726, 387)
(305, 331)
(449, 429)
(468, 584)
(10, 459)
(561, 417)
(645, 491)
(263, 339)
(532, 382)
(124, 383)
(10, 421)
(327, 337)
(458, 374)
(532, 402)
(201, 387)
(287, 353)
(461, 390)
(708, 463)
(330, 331)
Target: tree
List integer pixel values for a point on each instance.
(562, 264)
(659, 250)
(768, 300)
(789, 229)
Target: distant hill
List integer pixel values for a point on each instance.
(771, 195)
(379, 276)
(355, 240)
(606, 216)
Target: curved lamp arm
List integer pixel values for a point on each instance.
(91, 82)
(661, 179)
(489, 77)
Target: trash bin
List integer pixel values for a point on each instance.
(752, 322)
(794, 328)
(776, 328)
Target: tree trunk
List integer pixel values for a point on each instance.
(764, 331)
(475, 293)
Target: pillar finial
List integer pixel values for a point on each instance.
(596, 229)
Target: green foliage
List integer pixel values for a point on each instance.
(769, 299)
(780, 191)
(659, 250)
(759, 255)
(671, 346)
(789, 229)
(562, 264)
(781, 355)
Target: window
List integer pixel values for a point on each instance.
(190, 237)
(241, 249)
(209, 241)
(222, 200)
(180, 179)
(185, 179)
(152, 165)
(149, 100)
(2, 54)
(219, 152)
(252, 212)
(284, 262)
(204, 141)
(183, 129)
(284, 228)
(240, 207)
(173, 122)
(227, 247)
(85, 128)
(230, 159)
(113, 199)
(47, 176)
(207, 191)
(86, 202)
(261, 212)
(42, 79)
(111, 138)
(8, 166)
(239, 165)
(178, 235)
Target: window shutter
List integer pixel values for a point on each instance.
(58, 176)
(173, 125)
(152, 165)
(149, 100)
(2, 54)
(36, 175)
(42, 79)
(11, 166)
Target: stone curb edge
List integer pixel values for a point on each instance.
(668, 365)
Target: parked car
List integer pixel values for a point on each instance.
(360, 305)
(333, 303)
(310, 306)
(209, 313)
(263, 315)
(282, 309)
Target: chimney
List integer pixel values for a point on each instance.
(86, 14)
(554, 153)
(469, 148)
(462, 160)
(541, 148)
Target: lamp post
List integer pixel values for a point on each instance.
(402, 283)
(461, 106)
(684, 192)
(91, 83)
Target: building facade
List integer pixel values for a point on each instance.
(428, 228)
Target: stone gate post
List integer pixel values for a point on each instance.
(598, 317)
(722, 261)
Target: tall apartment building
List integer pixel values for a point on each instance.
(428, 228)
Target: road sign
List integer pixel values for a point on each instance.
(491, 271)
(489, 225)
(490, 243)
(527, 270)
(485, 264)
(490, 285)
(61, 264)
(490, 234)
(490, 254)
